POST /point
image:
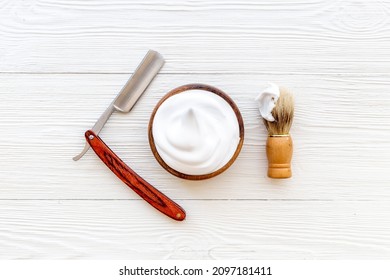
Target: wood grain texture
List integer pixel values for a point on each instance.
(196, 36)
(62, 63)
(232, 230)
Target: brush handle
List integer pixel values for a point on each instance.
(145, 190)
(279, 153)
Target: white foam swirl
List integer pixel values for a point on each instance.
(267, 100)
(195, 132)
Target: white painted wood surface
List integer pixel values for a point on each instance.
(62, 62)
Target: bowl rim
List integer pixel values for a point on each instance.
(187, 87)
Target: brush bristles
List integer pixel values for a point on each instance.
(283, 114)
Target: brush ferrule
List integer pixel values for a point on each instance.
(279, 135)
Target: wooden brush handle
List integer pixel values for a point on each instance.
(145, 190)
(279, 153)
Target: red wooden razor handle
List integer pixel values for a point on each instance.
(145, 190)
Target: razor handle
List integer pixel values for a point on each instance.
(145, 190)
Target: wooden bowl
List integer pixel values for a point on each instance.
(239, 120)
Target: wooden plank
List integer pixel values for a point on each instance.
(213, 230)
(196, 36)
(340, 135)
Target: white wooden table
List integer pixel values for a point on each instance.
(62, 62)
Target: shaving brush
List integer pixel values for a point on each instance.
(278, 120)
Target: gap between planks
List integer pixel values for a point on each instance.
(189, 199)
(206, 73)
